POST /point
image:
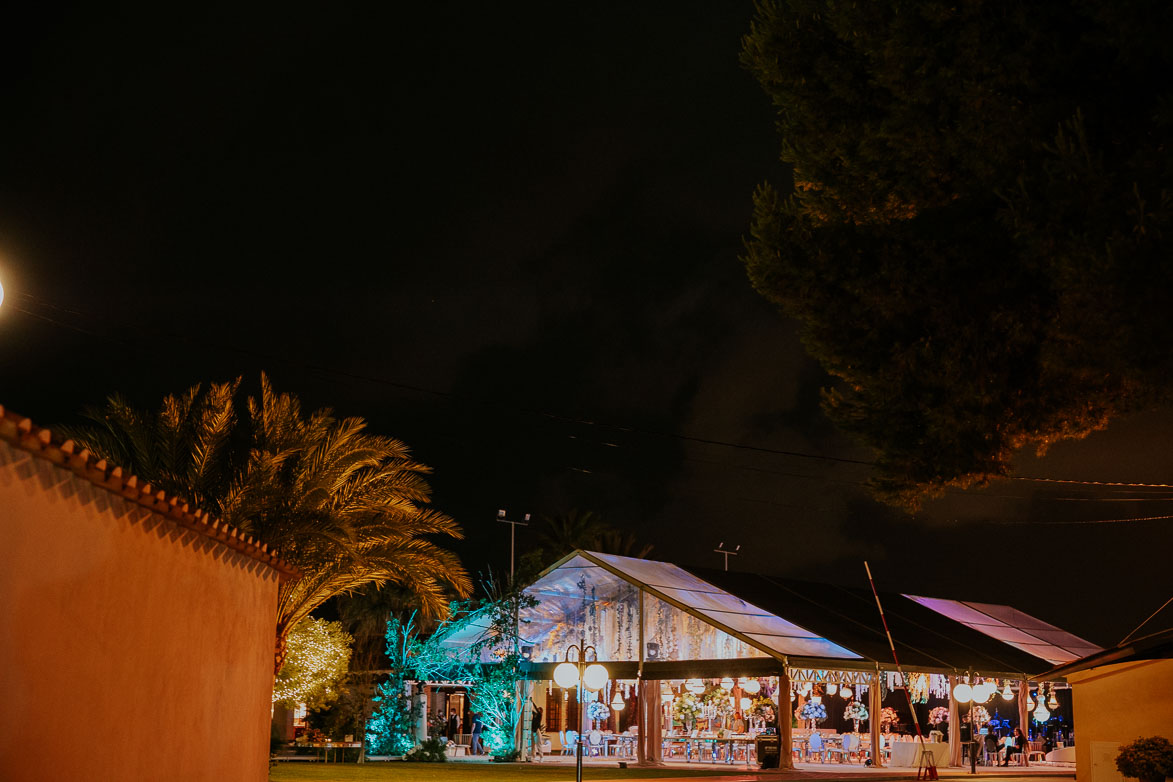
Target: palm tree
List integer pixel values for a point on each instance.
(559, 535)
(345, 507)
(625, 544)
(568, 531)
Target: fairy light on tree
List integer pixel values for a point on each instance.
(317, 658)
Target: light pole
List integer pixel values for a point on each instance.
(513, 525)
(974, 695)
(519, 734)
(594, 677)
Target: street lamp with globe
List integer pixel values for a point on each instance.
(579, 674)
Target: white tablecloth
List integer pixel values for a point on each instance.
(907, 753)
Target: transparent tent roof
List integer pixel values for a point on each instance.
(595, 597)
(1013, 627)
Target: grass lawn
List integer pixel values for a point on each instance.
(461, 772)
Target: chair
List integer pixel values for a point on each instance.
(595, 743)
(1035, 753)
(562, 740)
(570, 746)
(849, 746)
(991, 752)
(815, 745)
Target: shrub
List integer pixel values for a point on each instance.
(1146, 758)
(429, 751)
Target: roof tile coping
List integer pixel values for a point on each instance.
(25, 435)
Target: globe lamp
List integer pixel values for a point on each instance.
(594, 677)
(566, 675)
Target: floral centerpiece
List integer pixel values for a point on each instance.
(686, 708)
(814, 711)
(978, 714)
(1148, 759)
(888, 718)
(855, 712)
(597, 710)
(938, 715)
(719, 704)
(762, 708)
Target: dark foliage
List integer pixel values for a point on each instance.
(974, 243)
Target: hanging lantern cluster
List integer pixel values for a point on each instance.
(978, 693)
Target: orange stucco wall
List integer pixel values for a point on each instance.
(1116, 704)
(130, 649)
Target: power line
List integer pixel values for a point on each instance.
(1090, 483)
(446, 395)
(1087, 521)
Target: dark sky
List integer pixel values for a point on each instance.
(507, 235)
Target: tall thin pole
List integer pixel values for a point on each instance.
(581, 707)
(895, 659)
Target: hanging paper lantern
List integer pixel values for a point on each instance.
(846, 693)
(752, 686)
(726, 684)
(832, 688)
(963, 693)
(745, 704)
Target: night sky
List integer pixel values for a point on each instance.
(509, 238)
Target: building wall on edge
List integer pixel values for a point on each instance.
(1116, 704)
(130, 648)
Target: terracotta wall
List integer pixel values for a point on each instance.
(130, 649)
(1116, 704)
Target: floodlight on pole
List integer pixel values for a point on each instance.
(513, 525)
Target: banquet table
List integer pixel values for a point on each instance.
(717, 749)
(908, 754)
(339, 748)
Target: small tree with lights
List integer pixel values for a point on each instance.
(316, 660)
